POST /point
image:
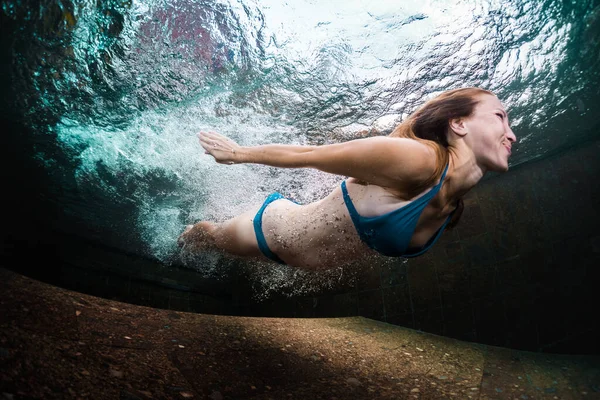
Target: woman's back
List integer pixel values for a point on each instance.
(324, 233)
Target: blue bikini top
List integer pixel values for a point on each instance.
(390, 234)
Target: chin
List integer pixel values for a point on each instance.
(499, 168)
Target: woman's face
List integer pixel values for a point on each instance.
(491, 137)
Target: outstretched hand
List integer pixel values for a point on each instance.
(223, 149)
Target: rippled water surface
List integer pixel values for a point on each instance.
(114, 91)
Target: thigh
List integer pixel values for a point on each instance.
(236, 235)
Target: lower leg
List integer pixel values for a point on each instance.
(235, 236)
(198, 237)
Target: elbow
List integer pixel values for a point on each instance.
(306, 159)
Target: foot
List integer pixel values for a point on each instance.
(197, 237)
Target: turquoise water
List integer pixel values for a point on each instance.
(112, 93)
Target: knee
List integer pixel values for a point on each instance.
(201, 233)
(206, 231)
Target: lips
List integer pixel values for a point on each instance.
(508, 148)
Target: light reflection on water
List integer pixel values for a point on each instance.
(124, 85)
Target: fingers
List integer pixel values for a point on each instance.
(221, 148)
(210, 139)
(205, 142)
(210, 135)
(217, 145)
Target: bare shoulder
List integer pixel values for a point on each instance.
(419, 160)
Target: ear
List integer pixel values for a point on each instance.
(459, 126)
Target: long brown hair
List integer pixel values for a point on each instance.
(430, 123)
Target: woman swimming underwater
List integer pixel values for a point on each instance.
(403, 189)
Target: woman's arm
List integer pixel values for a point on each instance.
(382, 160)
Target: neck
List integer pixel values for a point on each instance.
(463, 174)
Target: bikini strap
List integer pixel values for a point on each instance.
(352, 211)
(423, 200)
(444, 174)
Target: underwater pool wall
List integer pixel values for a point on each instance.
(519, 271)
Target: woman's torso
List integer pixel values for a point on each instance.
(323, 233)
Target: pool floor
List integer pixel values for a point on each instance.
(56, 343)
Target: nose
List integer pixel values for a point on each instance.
(510, 135)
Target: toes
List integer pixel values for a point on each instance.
(182, 238)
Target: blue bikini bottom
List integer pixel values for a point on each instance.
(257, 222)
